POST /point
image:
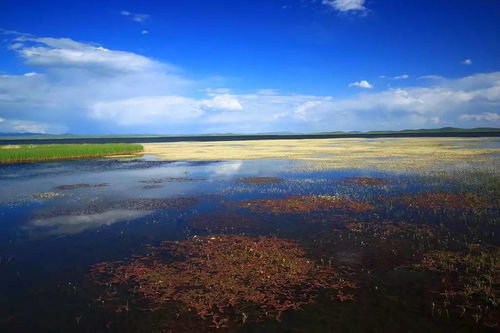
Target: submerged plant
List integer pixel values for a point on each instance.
(470, 280)
(223, 221)
(364, 181)
(440, 200)
(225, 278)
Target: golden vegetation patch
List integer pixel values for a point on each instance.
(47, 195)
(416, 154)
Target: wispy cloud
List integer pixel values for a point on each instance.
(140, 18)
(361, 84)
(397, 77)
(467, 62)
(401, 77)
(346, 5)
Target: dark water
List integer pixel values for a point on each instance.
(105, 210)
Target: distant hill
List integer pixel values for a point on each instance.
(21, 134)
(37, 138)
(441, 130)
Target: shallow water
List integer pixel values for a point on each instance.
(59, 218)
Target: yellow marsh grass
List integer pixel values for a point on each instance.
(382, 153)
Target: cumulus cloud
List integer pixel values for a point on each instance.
(486, 116)
(225, 102)
(361, 84)
(140, 18)
(467, 62)
(113, 91)
(346, 5)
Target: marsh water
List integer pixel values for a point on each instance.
(58, 219)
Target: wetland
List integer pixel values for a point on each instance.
(377, 234)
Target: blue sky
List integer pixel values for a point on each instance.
(192, 66)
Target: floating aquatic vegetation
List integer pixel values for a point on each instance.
(364, 181)
(470, 282)
(383, 230)
(160, 203)
(226, 280)
(170, 179)
(47, 195)
(223, 221)
(440, 200)
(82, 185)
(380, 246)
(151, 186)
(305, 204)
(260, 180)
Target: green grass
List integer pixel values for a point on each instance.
(45, 152)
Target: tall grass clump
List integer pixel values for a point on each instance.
(48, 152)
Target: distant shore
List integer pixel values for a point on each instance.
(207, 138)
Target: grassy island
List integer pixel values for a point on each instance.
(49, 152)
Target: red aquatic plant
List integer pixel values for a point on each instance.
(305, 204)
(225, 279)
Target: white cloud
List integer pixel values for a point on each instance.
(100, 93)
(486, 116)
(401, 77)
(144, 32)
(156, 110)
(467, 62)
(26, 126)
(64, 52)
(72, 224)
(361, 84)
(397, 77)
(215, 91)
(140, 18)
(346, 5)
(225, 101)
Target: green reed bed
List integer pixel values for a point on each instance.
(48, 152)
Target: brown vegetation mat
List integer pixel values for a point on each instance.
(305, 204)
(82, 185)
(226, 280)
